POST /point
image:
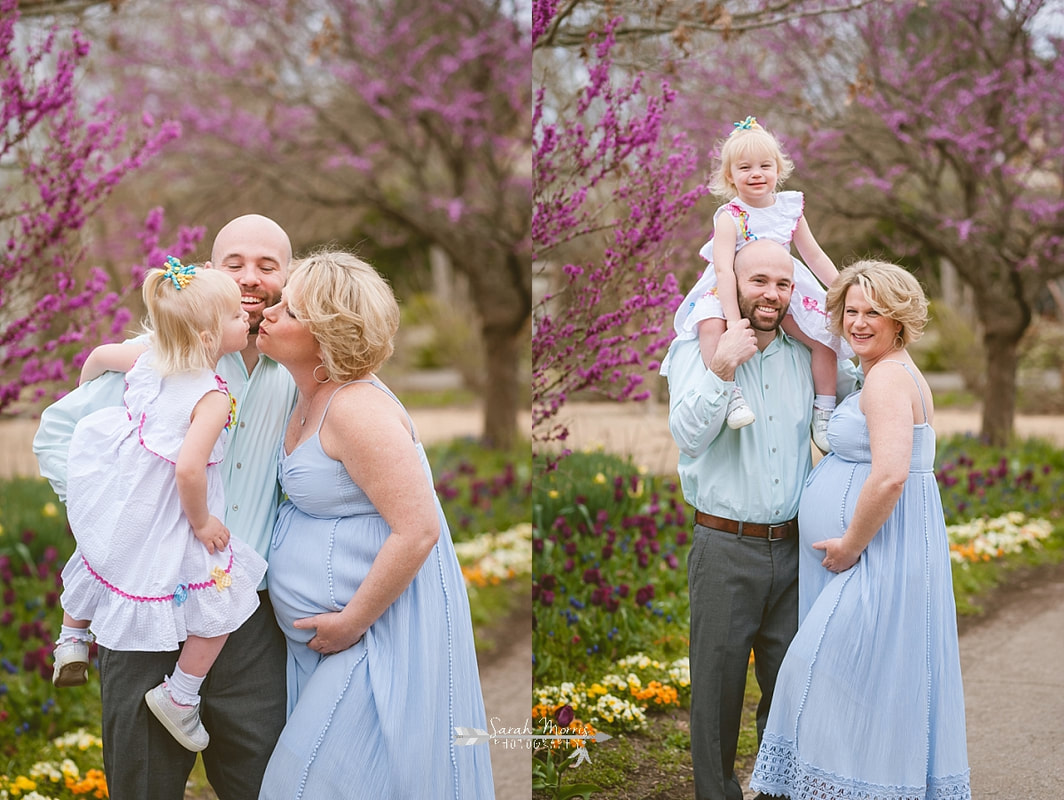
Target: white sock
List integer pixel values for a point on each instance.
(184, 688)
(68, 633)
(825, 402)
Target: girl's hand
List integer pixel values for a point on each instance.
(838, 557)
(331, 633)
(213, 534)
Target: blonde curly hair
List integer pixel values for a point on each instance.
(891, 290)
(348, 308)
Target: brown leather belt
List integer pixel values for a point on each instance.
(771, 532)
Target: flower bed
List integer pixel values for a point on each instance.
(618, 701)
(61, 776)
(986, 539)
(492, 558)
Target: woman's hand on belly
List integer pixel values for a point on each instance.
(331, 632)
(839, 556)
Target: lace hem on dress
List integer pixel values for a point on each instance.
(780, 771)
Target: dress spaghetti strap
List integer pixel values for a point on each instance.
(383, 388)
(919, 391)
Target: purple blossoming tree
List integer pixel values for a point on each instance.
(61, 157)
(604, 169)
(944, 124)
(613, 182)
(412, 117)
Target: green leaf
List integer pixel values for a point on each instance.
(583, 790)
(544, 774)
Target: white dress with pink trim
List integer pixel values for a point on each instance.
(777, 223)
(138, 572)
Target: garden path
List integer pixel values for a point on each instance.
(641, 430)
(1014, 692)
(434, 425)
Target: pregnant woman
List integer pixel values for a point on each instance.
(363, 575)
(869, 702)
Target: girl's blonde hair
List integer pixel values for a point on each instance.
(186, 324)
(348, 308)
(746, 142)
(891, 290)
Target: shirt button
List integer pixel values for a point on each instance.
(777, 480)
(241, 424)
(766, 385)
(777, 513)
(770, 419)
(235, 507)
(773, 449)
(239, 465)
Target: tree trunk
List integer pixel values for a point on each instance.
(999, 398)
(502, 350)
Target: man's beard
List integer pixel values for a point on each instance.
(748, 309)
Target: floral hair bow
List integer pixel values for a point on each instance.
(178, 273)
(747, 124)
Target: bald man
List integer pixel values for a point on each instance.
(244, 695)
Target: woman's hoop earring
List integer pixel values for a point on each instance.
(315, 374)
(899, 341)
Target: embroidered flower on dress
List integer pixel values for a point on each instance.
(222, 579)
(811, 304)
(180, 594)
(743, 217)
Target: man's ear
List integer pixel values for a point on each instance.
(208, 265)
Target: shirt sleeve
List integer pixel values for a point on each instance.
(52, 440)
(698, 399)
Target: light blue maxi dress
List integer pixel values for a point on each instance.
(376, 720)
(869, 703)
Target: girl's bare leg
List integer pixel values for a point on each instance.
(70, 622)
(824, 366)
(198, 654)
(709, 333)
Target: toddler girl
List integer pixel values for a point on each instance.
(154, 564)
(752, 167)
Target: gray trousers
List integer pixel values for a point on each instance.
(744, 595)
(243, 709)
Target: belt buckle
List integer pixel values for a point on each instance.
(785, 525)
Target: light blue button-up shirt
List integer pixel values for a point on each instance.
(756, 473)
(264, 401)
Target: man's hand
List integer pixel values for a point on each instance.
(736, 345)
